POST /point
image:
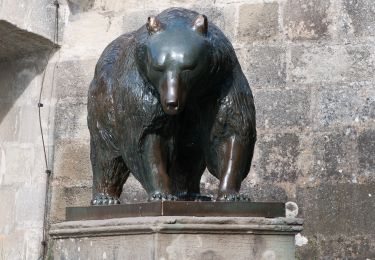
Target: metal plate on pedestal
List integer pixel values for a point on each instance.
(178, 208)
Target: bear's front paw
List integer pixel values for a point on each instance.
(159, 196)
(232, 197)
(102, 199)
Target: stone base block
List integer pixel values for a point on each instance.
(176, 238)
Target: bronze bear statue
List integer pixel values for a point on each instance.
(167, 101)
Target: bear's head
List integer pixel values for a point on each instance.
(176, 58)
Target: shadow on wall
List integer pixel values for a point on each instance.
(23, 56)
(76, 6)
(16, 75)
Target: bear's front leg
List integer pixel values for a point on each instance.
(152, 172)
(231, 159)
(231, 141)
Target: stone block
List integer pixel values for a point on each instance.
(89, 33)
(331, 63)
(72, 163)
(337, 247)
(65, 196)
(306, 19)
(278, 156)
(33, 239)
(308, 251)
(281, 109)
(348, 105)
(29, 131)
(8, 208)
(29, 207)
(73, 78)
(258, 22)
(10, 127)
(12, 246)
(361, 16)
(366, 152)
(347, 247)
(264, 192)
(340, 209)
(18, 164)
(335, 156)
(71, 119)
(264, 65)
(176, 238)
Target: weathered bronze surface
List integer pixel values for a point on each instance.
(167, 101)
(179, 208)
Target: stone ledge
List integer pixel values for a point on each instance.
(177, 237)
(15, 42)
(178, 208)
(165, 224)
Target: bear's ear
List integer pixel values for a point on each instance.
(153, 25)
(200, 24)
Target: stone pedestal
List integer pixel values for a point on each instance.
(176, 237)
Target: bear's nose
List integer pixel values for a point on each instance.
(172, 105)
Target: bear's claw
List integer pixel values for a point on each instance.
(102, 199)
(159, 196)
(233, 197)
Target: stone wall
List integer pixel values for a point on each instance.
(26, 42)
(310, 64)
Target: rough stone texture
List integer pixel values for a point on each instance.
(306, 19)
(258, 22)
(278, 157)
(289, 109)
(362, 16)
(176, 238)
(327, 204)
(310, 64)
(331, 63)
(366, 151)
(264, 65)
(345, 105)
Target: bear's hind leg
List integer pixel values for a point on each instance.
(109, 175)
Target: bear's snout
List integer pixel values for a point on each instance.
(173, 94)
(172, 105)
